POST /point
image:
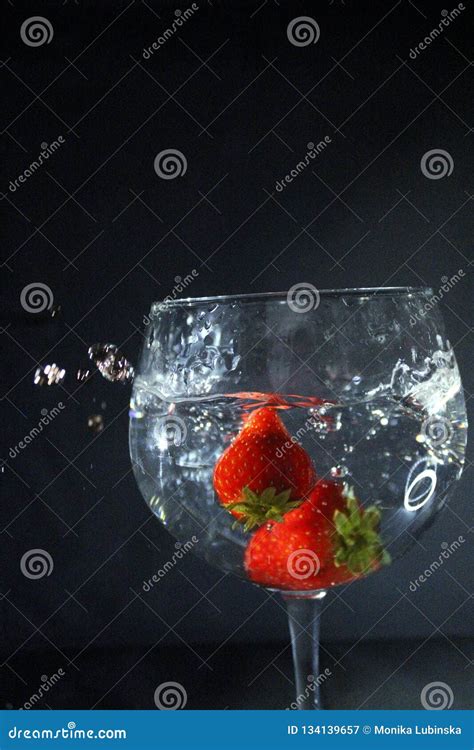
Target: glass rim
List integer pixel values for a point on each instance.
(375, 291)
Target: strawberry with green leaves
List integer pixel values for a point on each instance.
(326, 540)
(264, 473)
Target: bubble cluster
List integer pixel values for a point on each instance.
(111, 363)
(49, 375)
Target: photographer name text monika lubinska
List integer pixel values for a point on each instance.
(428, 729)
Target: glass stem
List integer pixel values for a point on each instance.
(303, 620)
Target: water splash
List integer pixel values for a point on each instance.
(111, 363)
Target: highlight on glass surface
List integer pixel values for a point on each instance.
(298, 436)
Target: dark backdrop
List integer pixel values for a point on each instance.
(107, 235)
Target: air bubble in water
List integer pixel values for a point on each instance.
(111, 363)
(49, 375)
(339, 471)
(95, 423)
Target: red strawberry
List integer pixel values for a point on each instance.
(328, 539)
(263, 468)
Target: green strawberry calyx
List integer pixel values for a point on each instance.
(257, 509)
(357, 542)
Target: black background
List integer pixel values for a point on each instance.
(108, 236)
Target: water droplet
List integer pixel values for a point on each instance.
(49, 375)
(55, 311)
(339, 471)
(95, 423)
(111, 363)
(83, 375)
